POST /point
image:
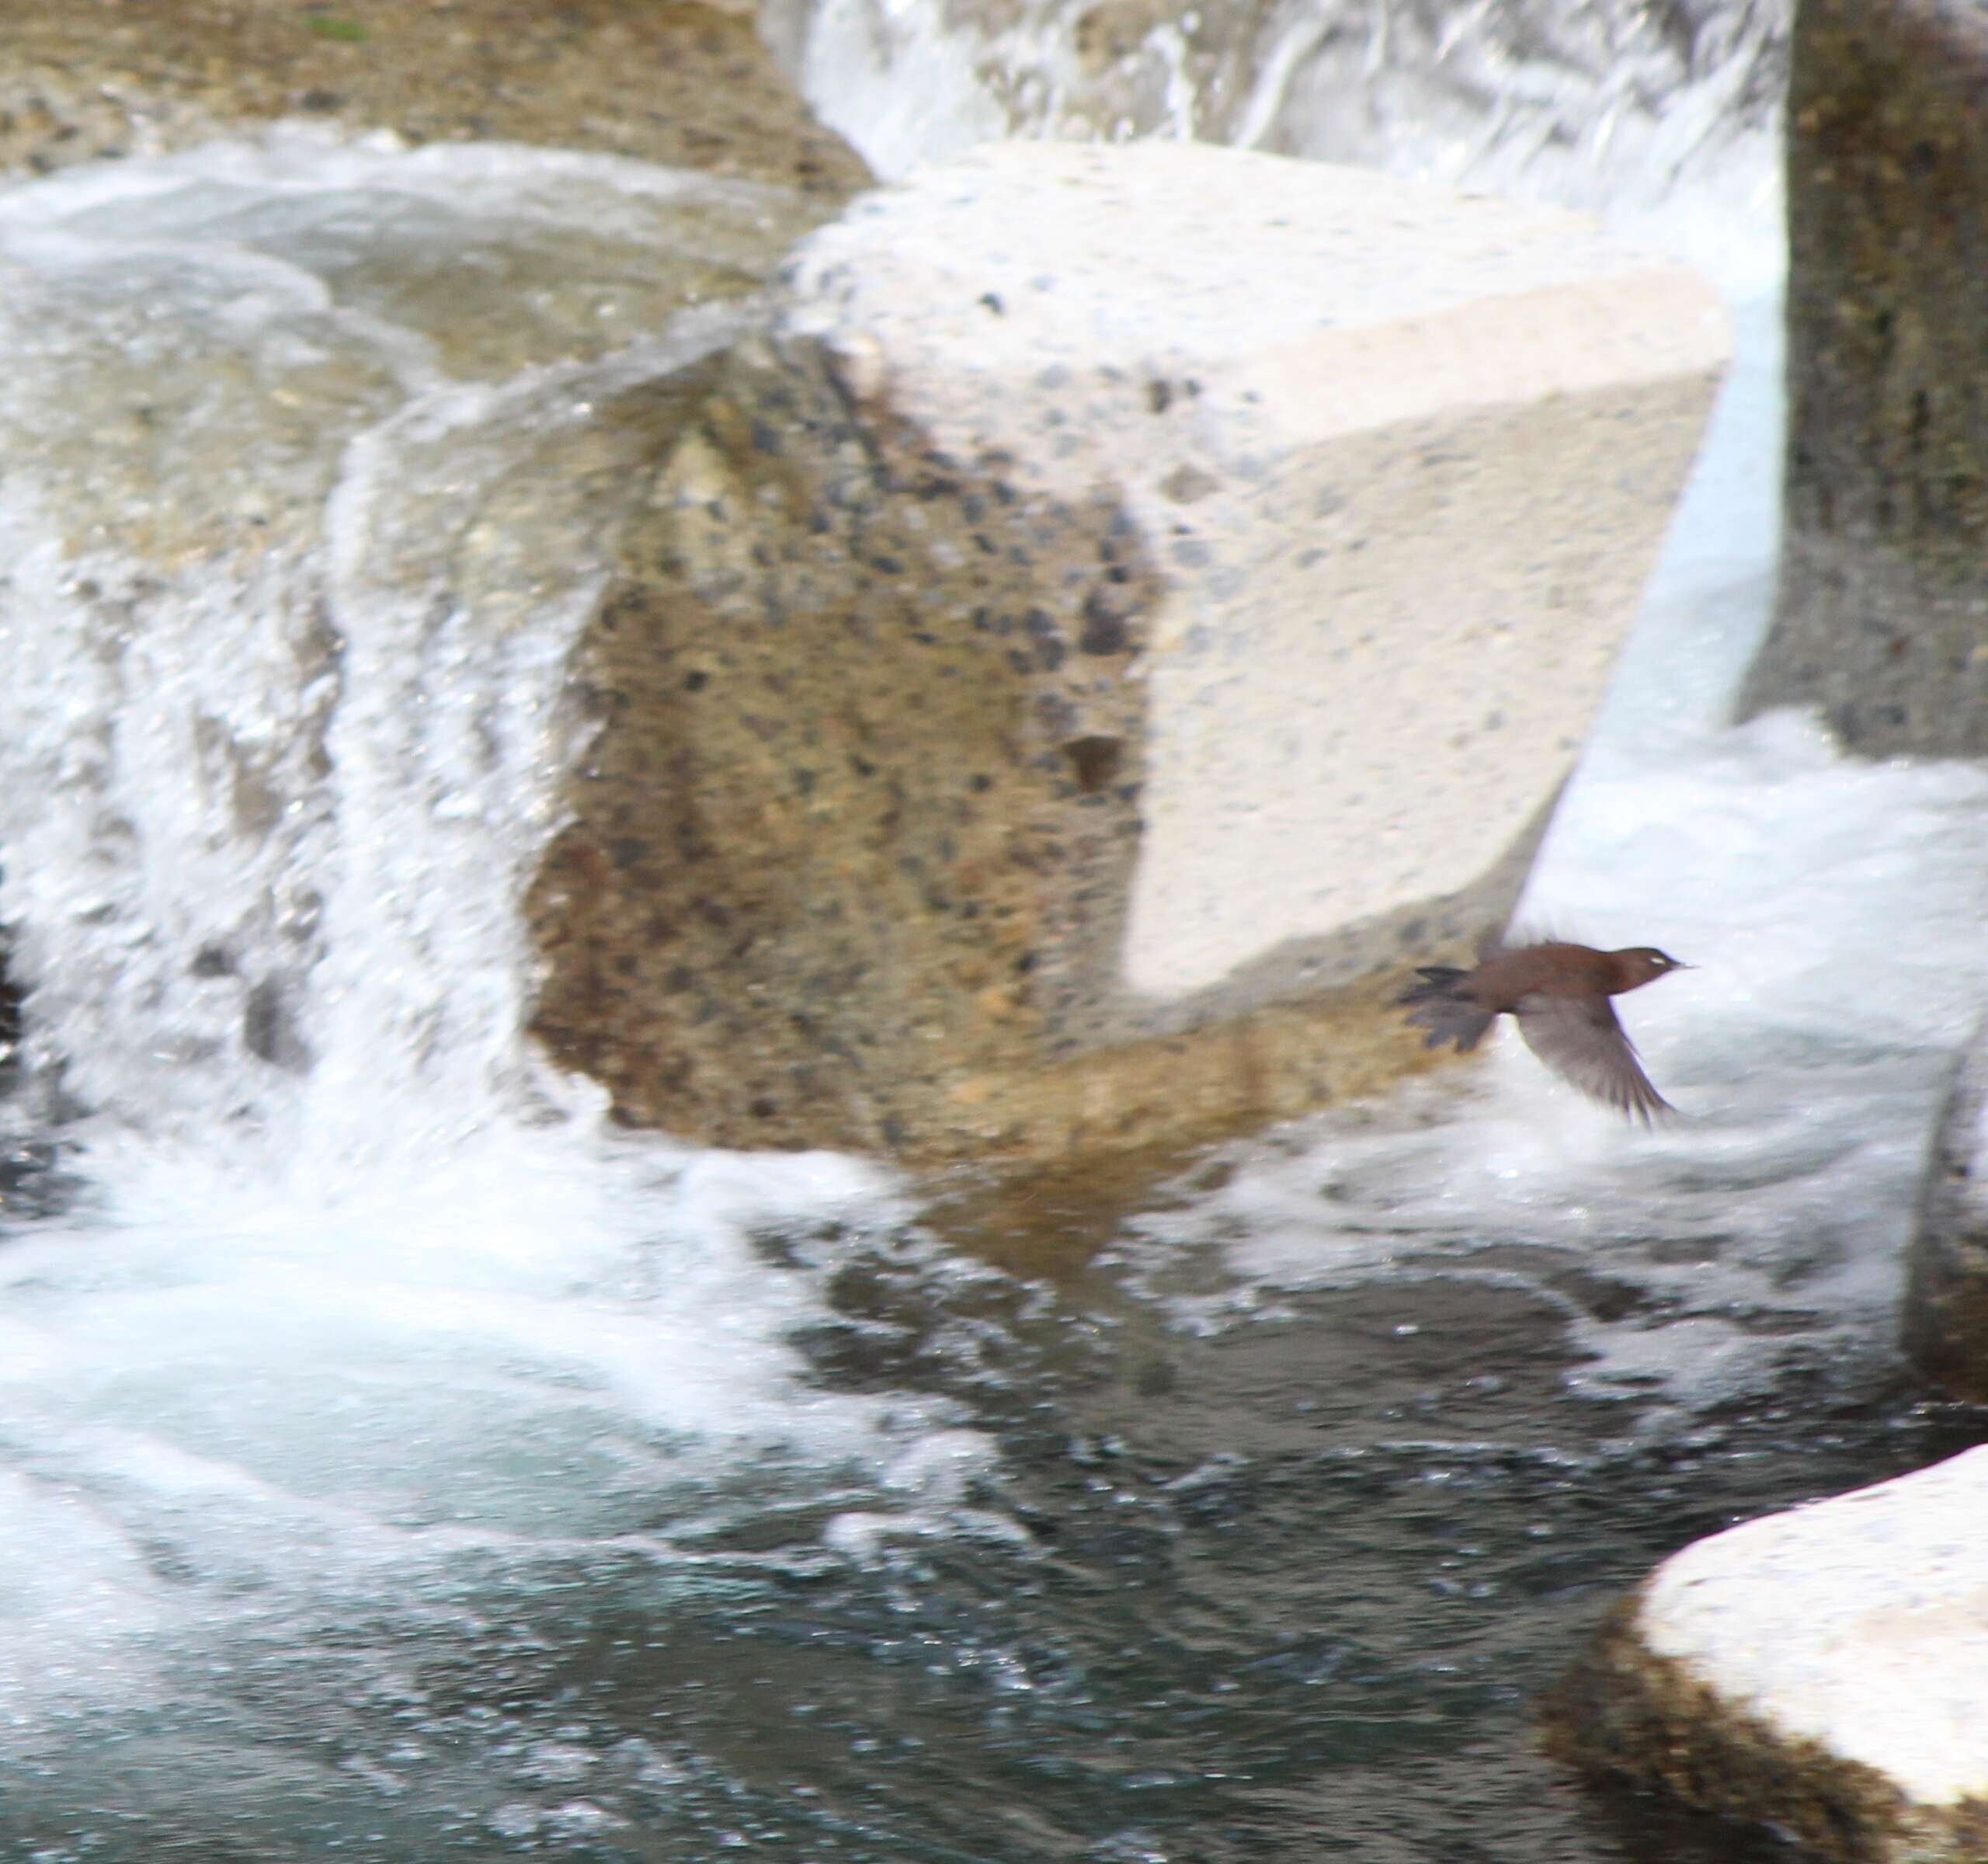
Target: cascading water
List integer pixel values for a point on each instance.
(398, 1466)
(354, 1299)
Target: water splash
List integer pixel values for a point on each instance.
(311, 488)
(1666, 119)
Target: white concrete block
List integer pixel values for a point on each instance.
(1404, 457)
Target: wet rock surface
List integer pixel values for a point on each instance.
(966, 777)
(1881, 620)
(369, 421)
(309, 308)
(1578, 106)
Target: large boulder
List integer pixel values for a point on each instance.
(1825, 1670)
(1132, 600)
(1881, 620)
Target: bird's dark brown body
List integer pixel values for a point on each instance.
(1560, 994)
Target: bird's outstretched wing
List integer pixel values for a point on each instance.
(1579, 1039)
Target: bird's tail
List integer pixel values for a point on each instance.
(1441, 1005)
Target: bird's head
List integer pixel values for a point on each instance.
(1642, 965)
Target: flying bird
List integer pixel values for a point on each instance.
(1559, 994)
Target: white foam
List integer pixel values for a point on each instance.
(213, 1393)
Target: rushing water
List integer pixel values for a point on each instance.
(400, 1467)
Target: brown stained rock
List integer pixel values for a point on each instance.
(684, 85)
(1823, 1668)
(1622, 1709)
(847, 864)
(1882, 615)
(1398, 509)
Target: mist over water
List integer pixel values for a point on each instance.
(399, 1464)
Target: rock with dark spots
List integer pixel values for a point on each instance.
(904, 822)
(1094, 760)
(1104, 630)
(1105, 844)
(1881, 618)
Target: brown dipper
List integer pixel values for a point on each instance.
(1560, 994)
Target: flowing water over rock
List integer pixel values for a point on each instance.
(399, 1467)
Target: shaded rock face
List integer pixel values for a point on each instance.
(318, 458)
(849, 861)
(1623, 1710)
(1881, 620)
(861, 698)
(682, 85)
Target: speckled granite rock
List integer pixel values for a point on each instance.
(1946, 1300)
(1825, 1670)
(1882, 615)
(1134, 599)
